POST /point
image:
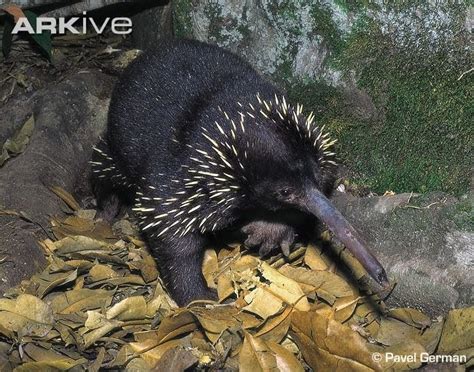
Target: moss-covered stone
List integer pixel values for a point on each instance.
(422, 138)
(325, 26)
(182, 12)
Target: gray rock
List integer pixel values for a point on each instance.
(64, 8)
(297, 39)
(144, 36)
(68, 117)
(29, 3)
(426, 243)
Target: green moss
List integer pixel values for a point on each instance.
(353, 5)
(425, 138)
(421, 138)
(182, 20)
(244, 31)
(217, 24)
(325, 26)
(283, 76)
(285, 13)
(462, 214)
(318, 97)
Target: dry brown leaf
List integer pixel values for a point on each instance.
(97, 326)
(263, 303)
(175, 359)
(258, 355)
(393, 332)
(47, 282)
(151, 351)
(412, 317)
(329, 345)
(123, 357)
(26, 315)
(50, 365)
(18, 142)
(458, 331)
(81, 300)
(75, 226)
(137, 365)
(408, 355)
(128, 309)
(244, 263)
(102, 272)
(225, 286)
(66, 197)
(246, 320)
(73, 244)
(157, 303)
(147, 267)
(84, 264)
(344, 307)
(87, 214)
(284, 288)
(129, 279)
(216, 319)
(327, 285)
(172, 326)
(313, 259)
(41, 354)
(97, 363)
(285, 360)
(276, 327)
(210, 267)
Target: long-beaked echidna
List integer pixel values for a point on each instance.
(203, 142)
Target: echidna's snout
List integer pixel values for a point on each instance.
(320, 206)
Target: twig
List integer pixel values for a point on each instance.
(426, 206)
(465, 73)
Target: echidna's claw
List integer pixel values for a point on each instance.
(269, 237)
(285, 248)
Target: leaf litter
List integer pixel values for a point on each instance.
(100, 305)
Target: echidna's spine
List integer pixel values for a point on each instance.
(104, 169)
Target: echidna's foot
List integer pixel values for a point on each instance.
(190, 291)
(109, 208)
(269, 237)
(180, 260)
(206, 294)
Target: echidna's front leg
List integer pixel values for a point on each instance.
(180, 263)
(269, 236)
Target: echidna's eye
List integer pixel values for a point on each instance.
(285, 192)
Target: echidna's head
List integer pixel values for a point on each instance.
(279, 158)
(287, 155)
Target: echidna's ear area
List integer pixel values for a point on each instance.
(302, 128)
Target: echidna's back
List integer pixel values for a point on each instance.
(166, 93)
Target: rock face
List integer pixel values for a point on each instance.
(426, 243)
(161, 19)
(387, 78)
(68, 118)
(88, 5)
(28, 3)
